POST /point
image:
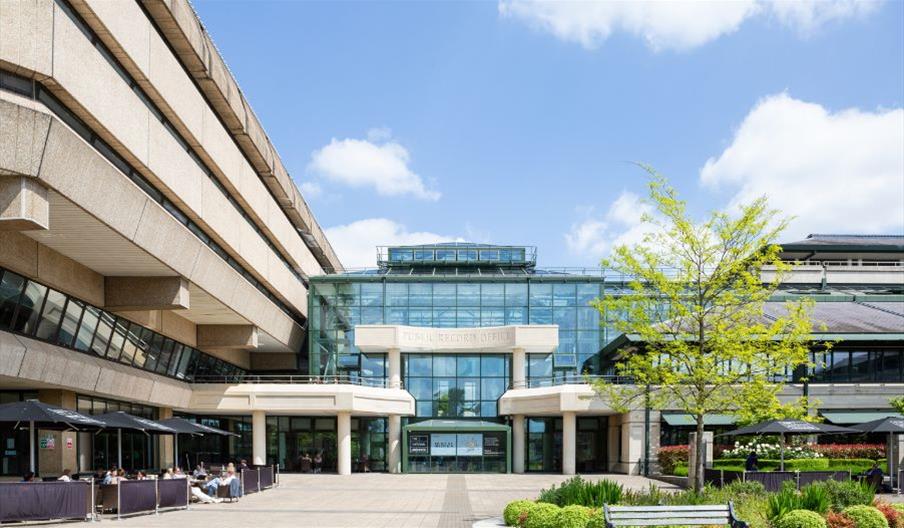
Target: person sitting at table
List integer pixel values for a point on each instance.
(109, 476)
(199, 471)
(227, 479)
(178, 474)
(65, 476)
(203, 497)
(874, 476)
(29, 476)
(167, 474)
(120, 476)
(243, 464)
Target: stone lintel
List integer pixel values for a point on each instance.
(146, 293)
(227, 337)
(23, 204)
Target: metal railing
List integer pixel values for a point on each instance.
(293, 379)
(572, 379)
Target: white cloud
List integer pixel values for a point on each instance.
(678, 25)
(595, 235)
(355, 243)
(835, 171)
(377, 162)
(311, 189)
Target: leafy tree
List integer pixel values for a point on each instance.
(694, 303)
(898, 404)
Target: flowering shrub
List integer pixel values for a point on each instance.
(770, 450)
(672, 456)
(894, 516)
(839, 520)
(871, 451)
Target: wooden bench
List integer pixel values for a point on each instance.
(703, 514)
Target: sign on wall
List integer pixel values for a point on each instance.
(419, 444)
(492, 445)
(442, 445)
(47, 442)
(470, 444)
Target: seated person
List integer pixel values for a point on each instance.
(109, 476)
(199, 471)
(65, 477)
(178, 474)
(203, 497)
(227, 479)
(28, 477)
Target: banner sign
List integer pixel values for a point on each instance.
(47, 442)
(137, 496)
(34, 501)
(172, 493)
(470, 444)
(492, 445)
(419, 444)
(442, 445)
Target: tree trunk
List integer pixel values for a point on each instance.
(701, 451)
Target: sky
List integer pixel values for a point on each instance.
(522, 122)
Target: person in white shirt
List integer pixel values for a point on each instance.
(178, 474)
(65, 476)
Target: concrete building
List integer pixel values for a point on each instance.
(156, 258)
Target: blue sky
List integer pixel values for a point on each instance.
(408, 122)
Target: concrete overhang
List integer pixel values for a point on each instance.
(300, 399)
(529, 338)
(34, 364)
(553, 401)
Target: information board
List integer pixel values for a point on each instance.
(419, 444)
(470, 444)
(492, 445)
(442, 445)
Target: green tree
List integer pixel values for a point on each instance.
(695, 303)
(898, 404)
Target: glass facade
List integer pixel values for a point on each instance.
(340, 302)
(879, 363)
(216, 450)
(34, 310)
(291, 438)
(14, 442)
(138, 449)
(456, 385)
(451, 452)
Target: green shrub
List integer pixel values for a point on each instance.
(801, 519)
(680, 471)
(542, 515)
(514, 509)
(847, 493)
(807, 464)
(671, 456)
(782, 503)
(739, 487)
(583, 493)
(866, 516)
(597, 518)
(815, 499)
(573, 516)
(855, 465)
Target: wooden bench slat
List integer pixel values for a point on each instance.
(701, 508)
(670, 515)
(682, 521)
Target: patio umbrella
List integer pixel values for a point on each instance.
(788, 427)
(890, 424)
(120, 420)
(183, 426)
(44, 416)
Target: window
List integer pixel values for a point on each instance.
(30, 305)
(455, 384)
(445, 255)
(51, 316)
(11, 286)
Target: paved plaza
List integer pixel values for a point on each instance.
(369, 500)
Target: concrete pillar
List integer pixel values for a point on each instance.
(227, 337)
(259, 438)
(613, 443)
(23, 204)
(518, 368)
(632, 441)
(344, 441)
(394, 457)
(166, 455)
(394, 360)
(146, 293)
(518, 443)
(59, 449)
(569, 442)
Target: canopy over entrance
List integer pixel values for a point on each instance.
(457, 425)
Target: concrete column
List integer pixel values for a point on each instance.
(632, 441)
(394, 457)
(259, 438)
(518, 369)
(344, 441)
(613, 443)
(23, 204)
(51, 461)
(394, 360)
(569, 442)
(518, 443)
(167, 457)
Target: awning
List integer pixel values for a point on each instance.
(856, 417)
(684, 420)
(457, 425)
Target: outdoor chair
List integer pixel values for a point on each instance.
(698, 515)
(232, 492)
